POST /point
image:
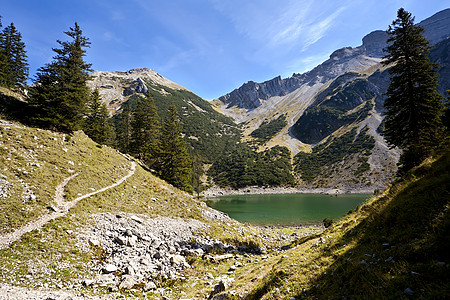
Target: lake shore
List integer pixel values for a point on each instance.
(217, 192)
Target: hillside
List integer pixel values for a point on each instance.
(95, 223)
(206, 130)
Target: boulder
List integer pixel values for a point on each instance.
(223, 284)
(149, 286)
(128, 282)
(177, 260)
(132, 241)
(109, 268)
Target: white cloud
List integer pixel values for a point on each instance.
(288, 25)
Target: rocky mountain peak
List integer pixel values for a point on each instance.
(139, 80)
(252, 94)
(374, 42)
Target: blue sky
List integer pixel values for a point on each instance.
(209, 46)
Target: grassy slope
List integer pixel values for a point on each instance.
(396, 243)
(49, 256)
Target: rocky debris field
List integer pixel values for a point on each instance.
(138, 251)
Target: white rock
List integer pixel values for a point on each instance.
(149, 286)
(109, 268)
(128, 282)
(137, 219)
(94, 242)
(132, 241)
(177, 259)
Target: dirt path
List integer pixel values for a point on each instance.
(61, 209)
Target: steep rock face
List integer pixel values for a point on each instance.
(252, 94)
(116, 87)
(437, 27)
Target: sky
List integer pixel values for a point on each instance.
(208, 46)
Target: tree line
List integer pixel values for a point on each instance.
(60, 100)
(417, 119)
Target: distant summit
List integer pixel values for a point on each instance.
(251, 94)
(115, 88)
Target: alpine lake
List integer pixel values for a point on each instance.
(286, 209)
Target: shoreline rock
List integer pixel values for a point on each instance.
(255, 190)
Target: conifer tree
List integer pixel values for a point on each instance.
(97, 124)
(175, 166)
(2, 58)
(145, 131)
(13, 60)
(60, 93)
(413, 106)
(123, 129)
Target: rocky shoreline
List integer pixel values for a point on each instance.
(216, 191)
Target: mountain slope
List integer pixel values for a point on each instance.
(206, 130)
(343, 94)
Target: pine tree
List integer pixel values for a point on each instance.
(97, 124)
(176, 166)
(413, 106)
(145, 131)
(123, 129)
(14, 63)
(60, 93)
(2, 58)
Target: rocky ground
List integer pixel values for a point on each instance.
(216, 191)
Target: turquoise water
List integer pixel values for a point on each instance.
(286, 209)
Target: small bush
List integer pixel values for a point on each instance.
(327, 222)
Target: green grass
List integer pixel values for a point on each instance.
(396, 241)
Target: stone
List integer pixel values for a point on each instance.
(128, 282)
(132, 241)
(94, 242)
(177, 260)
(409, 291)
(149, 286)
(223, 284)
(121, 240)
(137, 219)
(129, 270)
(199, 252)
(109, 268)
(232, 268)
(88, 282)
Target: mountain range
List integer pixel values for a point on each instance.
(318, 115)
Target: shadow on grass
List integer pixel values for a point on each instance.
(402, 249)
(14, 109)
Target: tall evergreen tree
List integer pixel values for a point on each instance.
(2, 58)
(97, 124)
(14, 64)
(123, 129)
(145, 131)
(60, 94)
(413, 106)
(176, 166)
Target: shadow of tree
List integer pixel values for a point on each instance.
(402, 247)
